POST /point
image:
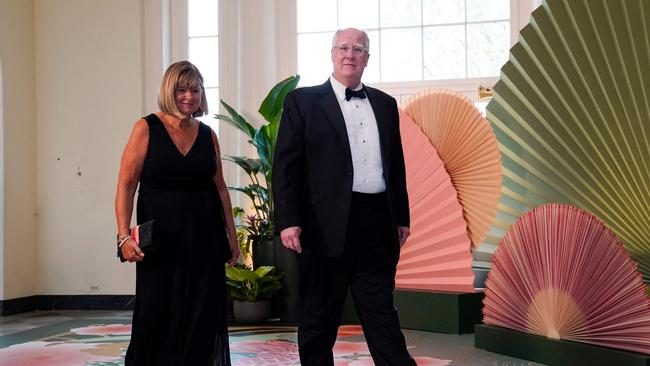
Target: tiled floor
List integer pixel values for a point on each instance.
(54, 327)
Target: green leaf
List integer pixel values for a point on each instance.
(236, 120)
(237, 211)
(243, 276)
(273, 128)
(245, 190)
(250, 166)
(252, 190)
(260, 191)
(264, 270)
(246, 285)
(272, 104)
(263, 145)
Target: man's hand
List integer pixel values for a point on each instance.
(402, 234)
(291, 238)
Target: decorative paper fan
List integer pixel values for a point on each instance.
(572, 115)
(559, 272)
(437, 254)
(468, 148)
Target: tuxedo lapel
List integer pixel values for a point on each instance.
(333, 110)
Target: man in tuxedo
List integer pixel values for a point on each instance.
(341, 204)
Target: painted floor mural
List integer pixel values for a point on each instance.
(70, 339)
(102, 344)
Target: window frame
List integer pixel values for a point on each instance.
(403, 90)
(164, 39)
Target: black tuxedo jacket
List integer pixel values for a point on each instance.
(312, 167)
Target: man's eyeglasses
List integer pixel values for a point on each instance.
(357, 50)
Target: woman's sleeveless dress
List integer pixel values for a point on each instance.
(180, 309)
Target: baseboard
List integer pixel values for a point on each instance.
(550, 351)
(66, 302)
(432, 311)
(17, 306)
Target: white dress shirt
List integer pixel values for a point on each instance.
(363, 135)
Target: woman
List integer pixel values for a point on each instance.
(180, 309)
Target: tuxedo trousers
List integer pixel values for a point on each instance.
(367, 268)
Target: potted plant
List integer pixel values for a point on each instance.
(259, 224)
(251, 291)
(243, 233)
(257, 227)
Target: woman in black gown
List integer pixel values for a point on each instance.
(180, 310)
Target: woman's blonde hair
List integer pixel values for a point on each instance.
(182, 73)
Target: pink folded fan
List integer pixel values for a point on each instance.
(437, 254)
(559, 272)
(466, 144)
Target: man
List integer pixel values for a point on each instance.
(341, 204)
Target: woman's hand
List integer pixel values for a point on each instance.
(131, 251)
(127, 182)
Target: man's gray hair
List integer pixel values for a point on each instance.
(366, 42)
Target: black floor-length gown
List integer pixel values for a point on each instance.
(180, 309)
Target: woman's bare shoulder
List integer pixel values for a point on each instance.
(140, 127)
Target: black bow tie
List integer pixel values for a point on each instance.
(349, 93)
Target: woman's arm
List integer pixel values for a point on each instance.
(133, 157)
(222, 188)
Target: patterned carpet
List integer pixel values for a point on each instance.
(102, 342)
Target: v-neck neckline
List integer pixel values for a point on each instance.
(171, 140)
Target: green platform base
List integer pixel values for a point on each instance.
(552, 351)
(441, 312)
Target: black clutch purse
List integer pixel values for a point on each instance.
(143, 234)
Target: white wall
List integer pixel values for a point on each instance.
(89, 93)
(2, 189)
(18, 148)
(93, 70)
